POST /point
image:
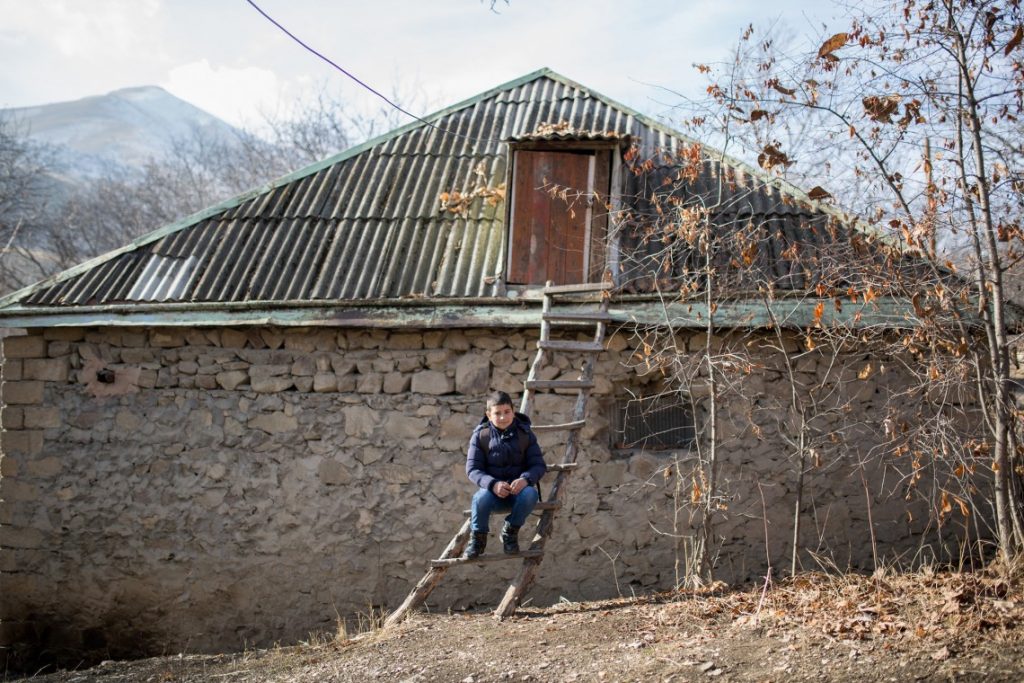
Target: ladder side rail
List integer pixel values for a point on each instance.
(426, 585)
(527, 573)
(538, 360)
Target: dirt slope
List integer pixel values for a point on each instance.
(927, 627)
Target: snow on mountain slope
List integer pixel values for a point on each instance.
(125, 128)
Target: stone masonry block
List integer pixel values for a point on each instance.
(324, 382)
(456, 341)
(13, 490)
(133, 338)
(407, 428)
(17, 537)
(166, 339)
(610, 474)
(12, 417)
(42, 417)
(22, 442)
(233, 339)
(490, 343)
(432, 382)
(334, 473)
(433, 339)
(360, 421)
(406, 341)
(270, 385)
(8, 467)
(47, 369)
(32, 346)
(232, 379)
(137, 355)
(13, 370)
(439, 359)
(24, 392)
(396, 383)
(147, 379)
(299, 340)
(304, 366)
(472, 374)
(370, 384)
(56, 349)
(274, 423)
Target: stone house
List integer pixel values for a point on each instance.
(250, 423)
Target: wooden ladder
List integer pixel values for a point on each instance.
(546, 346)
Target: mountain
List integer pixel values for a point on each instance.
(124, 128)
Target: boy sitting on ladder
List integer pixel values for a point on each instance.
(505, 461)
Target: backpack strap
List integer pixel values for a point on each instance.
(524, 443)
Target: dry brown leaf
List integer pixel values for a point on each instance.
(1018, 36)
(771, 156)
(881, 108)
(833, 44)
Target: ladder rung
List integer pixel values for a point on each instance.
(557, 345)
(563, 467)
(563, 427)
(591, 317)
(496, 557)
(582, 287)
(539, 507)
(559, 384)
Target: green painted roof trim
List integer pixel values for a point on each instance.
(791, 314)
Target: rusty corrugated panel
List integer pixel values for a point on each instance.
(369, 224)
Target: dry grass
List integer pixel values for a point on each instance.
(926, 625)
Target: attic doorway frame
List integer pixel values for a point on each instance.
(603, 176)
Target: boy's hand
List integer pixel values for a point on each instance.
(518, 485)
(502, 489)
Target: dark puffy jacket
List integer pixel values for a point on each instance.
(504, 461)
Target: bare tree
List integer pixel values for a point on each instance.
(918, 107)
(199, 171)
(26, 188)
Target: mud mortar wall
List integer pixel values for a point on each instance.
(240, 487)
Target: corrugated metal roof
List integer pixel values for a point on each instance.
(368, 224)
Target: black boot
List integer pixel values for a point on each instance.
(476, 546)
(510, 539)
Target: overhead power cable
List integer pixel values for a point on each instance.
(360, 82)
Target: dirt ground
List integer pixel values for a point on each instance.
(916, 627)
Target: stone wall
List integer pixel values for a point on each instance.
(239, 487)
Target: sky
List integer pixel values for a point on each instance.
(225, 58)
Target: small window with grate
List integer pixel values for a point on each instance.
(655, 423)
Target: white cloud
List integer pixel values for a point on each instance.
(76, 29)
(237, 95)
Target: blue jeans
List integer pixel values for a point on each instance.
(485, 502)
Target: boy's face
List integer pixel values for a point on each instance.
(501, 415)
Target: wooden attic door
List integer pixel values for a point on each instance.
(554, 237)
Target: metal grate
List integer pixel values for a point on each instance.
(661, 422)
